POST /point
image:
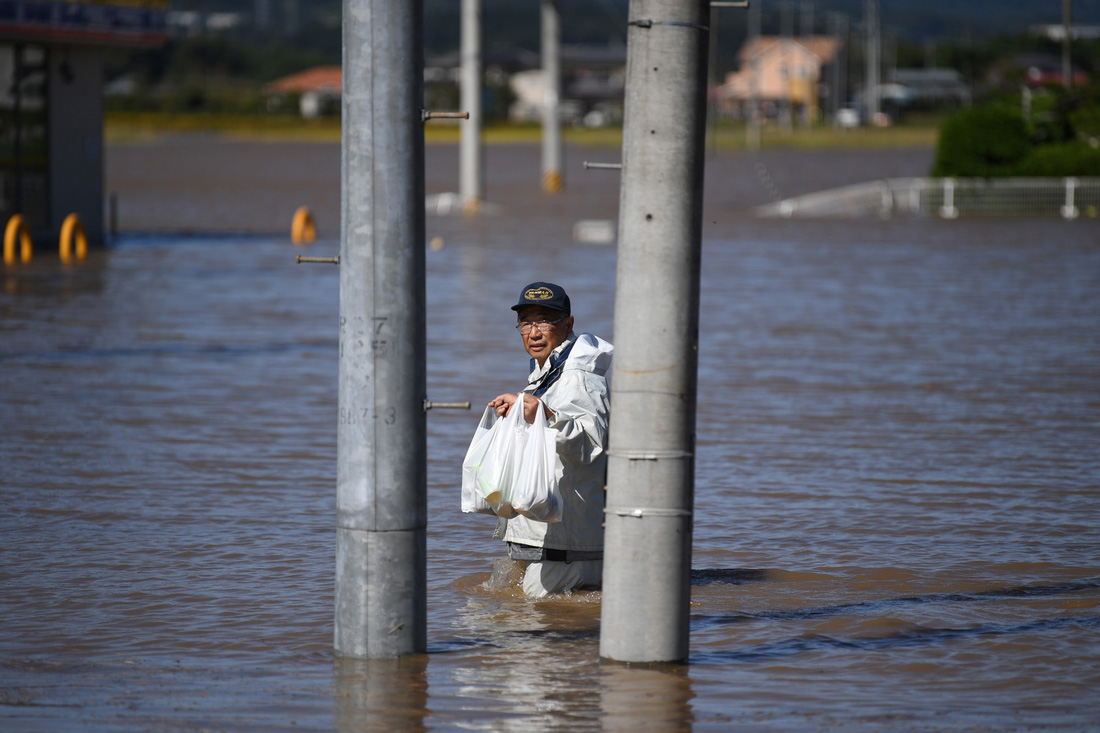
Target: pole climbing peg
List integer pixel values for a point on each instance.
(425, 115)
(429, 405)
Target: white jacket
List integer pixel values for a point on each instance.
(580, 403)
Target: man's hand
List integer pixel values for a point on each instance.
(504, 402)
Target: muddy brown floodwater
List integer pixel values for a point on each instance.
(896, 480)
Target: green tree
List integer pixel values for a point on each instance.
(982, 141)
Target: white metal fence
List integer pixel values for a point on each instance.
(949, 198)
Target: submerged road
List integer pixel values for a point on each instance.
(210, 184)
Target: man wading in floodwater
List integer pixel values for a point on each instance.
(568, 380)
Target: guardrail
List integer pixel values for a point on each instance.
(948, 198)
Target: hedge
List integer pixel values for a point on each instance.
(980, 142)
(1063, 159)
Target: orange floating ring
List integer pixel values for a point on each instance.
(17, 229)
(72, 230)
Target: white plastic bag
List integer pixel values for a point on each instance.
(473, 501)
(511, 467)
(497, 471)
(535, 492)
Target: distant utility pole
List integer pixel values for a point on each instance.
(290, 17)
(809, 102)
(838, 30)
(786, 21)
(651, 452)
(712, 78)
(262, 19)
(1067, 43)
(752, 131)
(871, 86)
(471, 150)
(552, 181)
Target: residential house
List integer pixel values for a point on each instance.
(318, 89)
(780, 73)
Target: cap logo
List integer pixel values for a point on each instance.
(538, 294)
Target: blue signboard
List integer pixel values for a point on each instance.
(135, 22)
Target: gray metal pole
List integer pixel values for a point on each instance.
(753, 130)
(647, 550)
(381, 500)
(835, 101)
(471, 153)
(786, 111)
(1067, 43)
(552, 180)
(870, 92)
(809, 105)
(712, 80)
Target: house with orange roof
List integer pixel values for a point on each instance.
(318, 89)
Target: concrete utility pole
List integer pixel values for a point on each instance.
(809, 103)
(381, 500)
(552, 181)
(651, 457)
(1067, 43)
(712, 80)
(290, 17)
(262, 18)
(752, 132)
(471, 187)
(870, 91)
(839, 32)
(786, 21)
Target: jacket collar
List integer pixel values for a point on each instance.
(557, 356)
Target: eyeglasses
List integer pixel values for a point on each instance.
(526, 327)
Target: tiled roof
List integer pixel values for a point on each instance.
(318, 79)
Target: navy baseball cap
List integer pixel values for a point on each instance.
(548, 295)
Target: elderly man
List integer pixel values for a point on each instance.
(568, 381)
